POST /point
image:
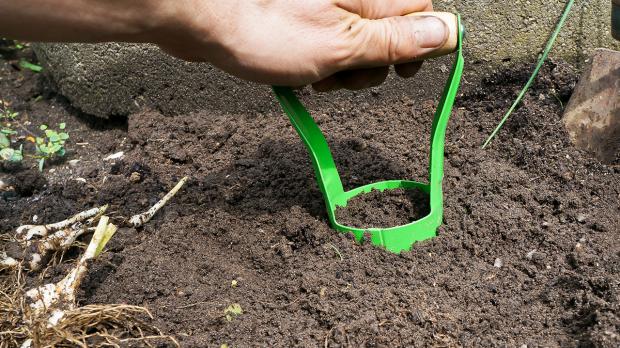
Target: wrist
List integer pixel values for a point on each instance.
(142, 21)
(171, 22)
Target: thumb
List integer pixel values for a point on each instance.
(401, 39)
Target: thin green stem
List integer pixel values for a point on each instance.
(541, 61)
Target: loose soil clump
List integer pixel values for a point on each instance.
(389, 208)
(529, 252)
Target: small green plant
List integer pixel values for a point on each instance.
(7, 152)
(12, 45)
(52, 145)
(233, 311)
(19, 45)
(13, 136)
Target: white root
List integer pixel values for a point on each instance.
(27, 232)
(60, 240)
(35, 251)
(54, 300)
(141, 219)
(7, 262)
(54, 237)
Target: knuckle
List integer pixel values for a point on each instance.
(391, 41)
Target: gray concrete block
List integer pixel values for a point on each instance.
(119, 79)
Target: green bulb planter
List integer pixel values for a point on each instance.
(394, 239)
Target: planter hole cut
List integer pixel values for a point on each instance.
(398, 238)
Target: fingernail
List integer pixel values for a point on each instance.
(434, 32)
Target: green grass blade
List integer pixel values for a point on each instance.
(541, 61)
(24, 64)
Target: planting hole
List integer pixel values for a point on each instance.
(389, 208)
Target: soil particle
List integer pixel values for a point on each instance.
(26, 183)
(385, 209)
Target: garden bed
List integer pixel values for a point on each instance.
(529, 253)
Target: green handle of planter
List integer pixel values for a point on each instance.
(395, 239)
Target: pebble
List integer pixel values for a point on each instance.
(498, 263)
(115, 156)
(74, 162)
(530, 255)
(135, 177)
(581, 218)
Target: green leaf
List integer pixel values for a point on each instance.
(6, 154)
(4, 141)
(24, 64)
(55, 148)
(7, 131)
(41, 163)
(63, 136)
(11, 155)
(44, 149)
(42, 127)
(62, 125)
(233, 311)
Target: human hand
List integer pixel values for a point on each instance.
(328, 43)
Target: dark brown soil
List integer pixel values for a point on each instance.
(385, 209)
(529, 253)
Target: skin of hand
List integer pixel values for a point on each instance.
(330, 44)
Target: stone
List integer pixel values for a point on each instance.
(592, 116)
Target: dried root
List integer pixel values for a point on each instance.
(34, 252)
(51, 319)
(47, 315)
(12, 309)
(99, 326)
(53, 300)
(7, 262)
(27, 232)
(141, 219)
